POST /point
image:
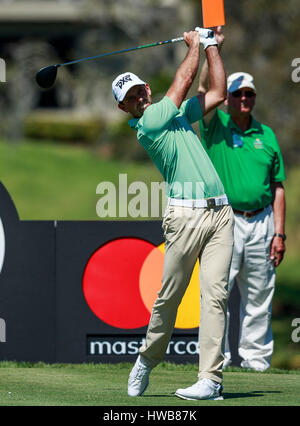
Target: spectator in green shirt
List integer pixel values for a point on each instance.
(248, 160)
(198, 222)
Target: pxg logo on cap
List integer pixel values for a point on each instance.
(123, 83)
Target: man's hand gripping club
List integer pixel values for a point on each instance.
(207, 37)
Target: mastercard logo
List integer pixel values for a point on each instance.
(121, 281)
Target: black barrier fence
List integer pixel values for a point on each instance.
(63, 298)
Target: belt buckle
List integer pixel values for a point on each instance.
(211, 203)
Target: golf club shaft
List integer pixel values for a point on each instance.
(159, 43)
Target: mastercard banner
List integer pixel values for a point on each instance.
(83, 291)
(111, 277)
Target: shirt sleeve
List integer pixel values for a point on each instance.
(191, 109)
(278, 171)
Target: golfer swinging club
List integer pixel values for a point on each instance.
(198, 222)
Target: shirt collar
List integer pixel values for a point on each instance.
(133, 122)
(255, 126)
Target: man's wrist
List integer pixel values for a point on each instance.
(278, 234)
(211, 47)
(209, 43)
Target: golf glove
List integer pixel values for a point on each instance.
(207, 37)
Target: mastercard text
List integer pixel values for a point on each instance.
(126, 345)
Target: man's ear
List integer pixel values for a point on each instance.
(122, 106)
(226, 101)
(148, 89)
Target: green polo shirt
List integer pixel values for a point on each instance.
(247, 162)
(169, 139)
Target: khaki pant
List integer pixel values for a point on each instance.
(190, 233)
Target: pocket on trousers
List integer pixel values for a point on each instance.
(270, 262)
(166, 220)
(169, 220)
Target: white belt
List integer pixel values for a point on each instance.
(202, 203)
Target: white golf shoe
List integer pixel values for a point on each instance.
(227, 362)
(254, 365)
(139, 377)
(203, 389)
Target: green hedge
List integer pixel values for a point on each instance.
(63, 127)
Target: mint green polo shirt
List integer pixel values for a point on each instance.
(166, 134)
(247, 162)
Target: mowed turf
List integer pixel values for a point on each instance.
(59, 182)
(106, 385)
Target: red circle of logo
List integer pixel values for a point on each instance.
(111, 283)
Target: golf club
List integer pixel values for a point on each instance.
(46, 76)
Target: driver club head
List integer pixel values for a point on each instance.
(46, 76)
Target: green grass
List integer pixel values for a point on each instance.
(286, 307)
(58, 182)
(25, 384)
(288, 278)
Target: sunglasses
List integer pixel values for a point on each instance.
(239, 93)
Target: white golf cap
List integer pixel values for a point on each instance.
(123, 83)
(238, 80)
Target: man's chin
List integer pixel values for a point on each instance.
(245, 110)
